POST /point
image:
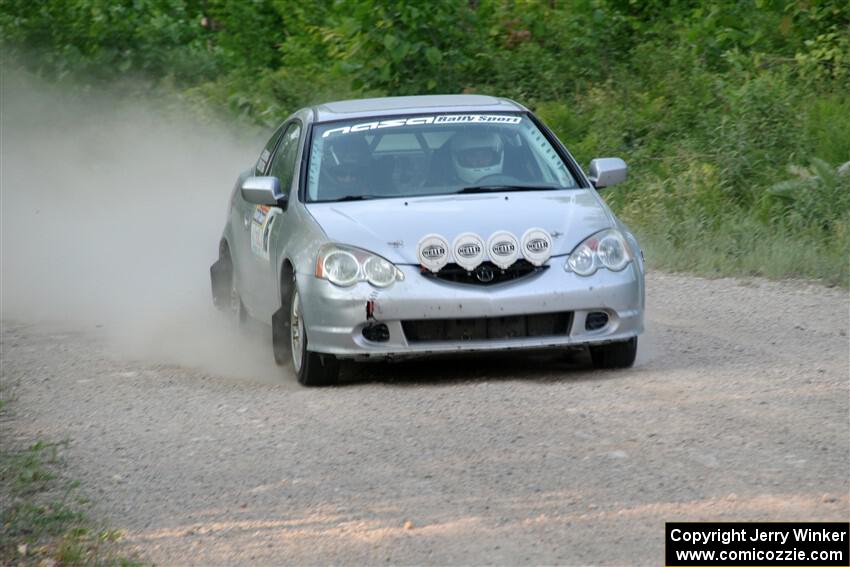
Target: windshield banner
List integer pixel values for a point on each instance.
(419, 120)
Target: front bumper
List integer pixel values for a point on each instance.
(335, 316)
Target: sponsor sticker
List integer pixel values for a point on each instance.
(468, 250)
(503, 248)
(419, 120)
(260, 213)
(261, 228)
(536, 246)
(433, 252)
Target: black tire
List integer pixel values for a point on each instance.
(280, 336)
(236, 312)
(225, 294)
(310, 368)
(221, 274)
(281, 345)
(615, 355)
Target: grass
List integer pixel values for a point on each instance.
(719, 255)
(42, 517)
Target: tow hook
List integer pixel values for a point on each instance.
(374, 331)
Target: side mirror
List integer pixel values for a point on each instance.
(604, 172)
(263, 191)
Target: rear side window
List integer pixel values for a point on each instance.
(265, 156)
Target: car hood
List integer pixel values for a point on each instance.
(394, 227)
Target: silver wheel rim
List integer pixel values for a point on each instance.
(296, 331)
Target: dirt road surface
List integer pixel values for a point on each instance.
(736, 410)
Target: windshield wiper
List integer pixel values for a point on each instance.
(498, 188)
(351, 198)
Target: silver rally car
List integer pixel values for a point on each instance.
(408, 226)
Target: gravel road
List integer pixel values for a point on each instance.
(736, 410)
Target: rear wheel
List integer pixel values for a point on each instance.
(236, 309)
(221, 275)
(226, 296)
(311, 368)
(615, 355)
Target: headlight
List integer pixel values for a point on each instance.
(341, 267)
(345, 265)
(606, 249)
(582, 260)
(379, 272)
(612, 252)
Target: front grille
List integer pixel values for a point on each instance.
(488, 328)
(487, 273)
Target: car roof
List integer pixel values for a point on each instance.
(422, 104)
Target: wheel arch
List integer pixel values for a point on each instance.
(286, 279)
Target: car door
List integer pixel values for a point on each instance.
(241, 217)
(264, 225)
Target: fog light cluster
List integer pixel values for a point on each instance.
(376, 332)
(595, 320)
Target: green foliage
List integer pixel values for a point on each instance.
(100, 39)
(710, 103)
(403, 47)
(807, 203)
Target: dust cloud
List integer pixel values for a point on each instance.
(111, 215)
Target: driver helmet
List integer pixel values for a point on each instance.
(477, 155)
(346, 159)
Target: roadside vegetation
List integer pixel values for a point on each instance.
(42, 517)
(734, 116)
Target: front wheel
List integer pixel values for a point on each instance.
(311, 368)
(615, 355)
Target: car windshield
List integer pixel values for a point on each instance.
(438, 154)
